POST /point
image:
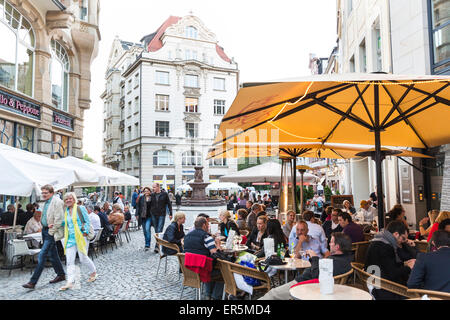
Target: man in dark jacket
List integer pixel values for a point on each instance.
(107, 228)
(382, 255)
(340, 248)
(159, 204)
(432, 270)
(332, 225)
(7, 217)
(354, 231)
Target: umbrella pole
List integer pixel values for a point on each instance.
(378, 159)
(301, 194)
(15, 213)
(294, 182)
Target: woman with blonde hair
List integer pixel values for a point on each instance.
(76, 228)
(441, 217)
(227, 224)
(175, 233)
(116, 217)
(432, 215)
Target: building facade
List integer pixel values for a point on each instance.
(400, 37)
(173, 94)
(45, 59)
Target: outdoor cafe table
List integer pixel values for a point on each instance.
(235, 249)
(298, 264)
(35, 236)
(311, 291)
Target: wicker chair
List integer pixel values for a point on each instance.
(360, 250)
(384, 284)
(163, 243)
(343, 278)
(431, 294)
(422, 246)
(228, 268)
(190, 278)
(368, 236)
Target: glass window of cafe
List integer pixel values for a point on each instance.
(17, 50)
(60, 146)
(59, 73)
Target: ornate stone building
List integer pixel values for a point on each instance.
(45, 59)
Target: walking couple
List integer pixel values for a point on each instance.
(63, 220)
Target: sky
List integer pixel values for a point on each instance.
(268, 39)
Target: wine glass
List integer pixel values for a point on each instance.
(302, 254)
(292, 255)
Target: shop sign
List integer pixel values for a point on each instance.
(62, 121)
(18, 105)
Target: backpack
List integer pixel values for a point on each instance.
(91, 234)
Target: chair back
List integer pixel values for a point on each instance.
(124, 226)
(116, 229)
(342, 278)
(360, 250)
(98, 235)
(368, 236)
(384, 284)
(20, 247)
(422, 246)
(190, 278)
(166, 244)
(431, 294)
(128, 225)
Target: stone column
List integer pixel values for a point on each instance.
(445, 193)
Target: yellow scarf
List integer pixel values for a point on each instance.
(79, 239)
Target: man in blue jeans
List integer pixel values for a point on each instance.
(159, 204)
(52, 231)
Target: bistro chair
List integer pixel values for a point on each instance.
(343, 278)
(431, 294)
(190, 278)
(163, 243)
(229, 268)
(368, 236)
(360, 251)
(21, 250)
(112, 239)
(95, 243)
(421, 245)
(385, 284)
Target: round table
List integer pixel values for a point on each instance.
(298, 264)
(311, 291)
(235, 249)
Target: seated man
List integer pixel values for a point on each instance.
(251, 218)
(199, 241)
(332, 225)
(301, 240)
(354, 231)
(314, 229)
(432, 270)
(341, 254)
(94, 219)
(7, 217)
(107, 227)
(382, 255)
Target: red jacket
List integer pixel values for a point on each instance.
(199, 264)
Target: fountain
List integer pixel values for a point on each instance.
(198, 198)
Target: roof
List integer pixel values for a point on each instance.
(153, 41)
(126, 45)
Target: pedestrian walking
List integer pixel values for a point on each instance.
(52, 231)
(143, 215)
(76, 229)
(160, 202)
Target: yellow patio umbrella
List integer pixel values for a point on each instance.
(370, 109)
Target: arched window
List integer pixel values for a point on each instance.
(17, 50)
(59, 73)
(163, 158)
(136, 160)
(191, 32)
(129, 160)
(191, 158)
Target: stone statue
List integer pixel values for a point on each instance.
(198, 176)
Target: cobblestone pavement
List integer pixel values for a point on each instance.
(124, 273)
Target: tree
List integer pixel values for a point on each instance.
(328, 193)
(87, 158)
(90, 189)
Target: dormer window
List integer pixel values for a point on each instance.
(191, 32)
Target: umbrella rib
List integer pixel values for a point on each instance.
(342, 113)
(446, 101)
(308, 96)
(397, 107)
(364, 104)
(338, 154)
(403, 117)
(412, 165)
(344, 117)
(429, 96)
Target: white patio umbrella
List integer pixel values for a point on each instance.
(230, 186)
(266, 172)
(185, 187)
(105, 176)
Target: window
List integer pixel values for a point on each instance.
(163, 158)
(136, 80)
(191, 32)
(162, 128)
(190, 54)
(191, 104)
(17, 50)
(136, 104)
(129, 133)
(83, 10)
(219, 107)
(59, 72)
(136, 130)
(220, 162)
(362, 57)
(60, 146)
(122, 136)
(122, 91)
(352, 64)
(219, 84)
(376, 40)
(16, 135)
(191, 158)
(162, 77)
(191, 81)
(122, 113)
(439, 36)
(129, 109)
(191, 130)
(216, 129)
(129, 85)
(161, 102)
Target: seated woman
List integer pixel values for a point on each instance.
(227, 224)
(175, 233)
(34, 225)
(426, 223)
(275, 232)
(116, 217)
(242, 214)
(255, 241)
(127, 212)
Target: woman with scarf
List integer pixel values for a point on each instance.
(76, 228)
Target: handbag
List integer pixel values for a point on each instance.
(91, 234)
(273, 260)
